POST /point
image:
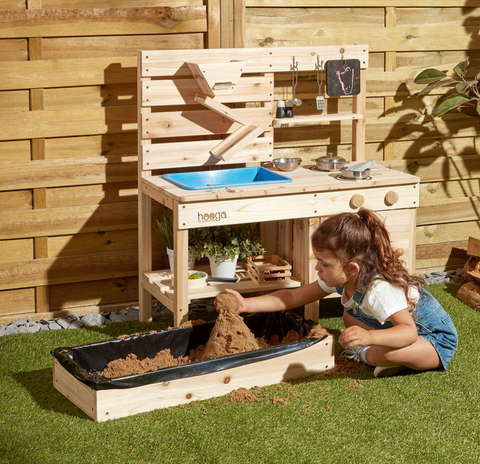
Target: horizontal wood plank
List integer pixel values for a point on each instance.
(67, 122)
(365, 3)
(56, 48)
(66, 221)
(63, 172)
(16, 302)
(54, 22)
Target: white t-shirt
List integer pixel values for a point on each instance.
(380, 301)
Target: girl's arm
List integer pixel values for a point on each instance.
(279, 300)
(403, 333)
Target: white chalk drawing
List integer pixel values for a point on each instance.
(344, 78)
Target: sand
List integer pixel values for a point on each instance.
(230, 335)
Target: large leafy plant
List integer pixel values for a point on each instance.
(465, 94)
(225, 242)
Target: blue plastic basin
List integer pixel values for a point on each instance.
(226, 178)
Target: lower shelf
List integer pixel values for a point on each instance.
(160, 285)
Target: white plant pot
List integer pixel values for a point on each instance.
(225, 268)
(170, 253)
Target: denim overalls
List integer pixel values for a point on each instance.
(432, 321)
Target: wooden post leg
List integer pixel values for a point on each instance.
(144, 256)
(180, 281)
(358, 125)
(303, 265)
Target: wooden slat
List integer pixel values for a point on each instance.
(59, 123)
(13, 50)
(16, 302)
(89, 146)
(67, 73)
(16, 200)
(111, 192)
(101, 21)
(61, 221)
(172, 62)
(444, 233)
(365, 3)
(449, 210)
(56, 48)
(57, 173)
(441, 256)
(119, 3)
(93, 295)
(182, 154)
(203, 122)
(183, 91)
(62, 270)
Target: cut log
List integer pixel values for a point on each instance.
(470, 294)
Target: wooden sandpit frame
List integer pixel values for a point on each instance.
(102, 405)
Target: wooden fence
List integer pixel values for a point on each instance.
(68, 165)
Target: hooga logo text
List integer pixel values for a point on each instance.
(212, 217)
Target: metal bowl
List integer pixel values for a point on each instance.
(287, 164)
(355, 175)
(330, 162)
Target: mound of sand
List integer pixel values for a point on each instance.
(230, 335)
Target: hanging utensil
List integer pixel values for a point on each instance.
(320, 98)
(294, 67)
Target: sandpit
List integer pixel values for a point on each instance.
(229, 336)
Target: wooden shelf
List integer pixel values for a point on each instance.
(160, 285)
(315, 119)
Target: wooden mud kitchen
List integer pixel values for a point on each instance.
(221, 104)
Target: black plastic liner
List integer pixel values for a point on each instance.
(87, 361)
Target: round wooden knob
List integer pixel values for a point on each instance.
(399, 252)
(357, 201)
(391, 198)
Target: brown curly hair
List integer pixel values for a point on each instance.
(363, 236)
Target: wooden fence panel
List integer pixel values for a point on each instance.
(68, 148)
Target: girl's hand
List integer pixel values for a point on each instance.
(242, 303)
(353, 336)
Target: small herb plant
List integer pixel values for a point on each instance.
(225, 242)
(465, 92)
(163, 226)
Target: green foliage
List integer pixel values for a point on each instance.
(163, 226)
(226, 242)
(464, 95)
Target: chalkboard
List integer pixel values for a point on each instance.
(343, 77)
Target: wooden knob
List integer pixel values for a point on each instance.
(357, 201)
(391, 198)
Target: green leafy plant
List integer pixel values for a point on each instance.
(225, 242)
(465, 94)
(163, 226)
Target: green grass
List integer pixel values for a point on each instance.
(429, 417)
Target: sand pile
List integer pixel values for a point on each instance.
(230, 335)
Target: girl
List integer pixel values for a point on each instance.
(391, 321)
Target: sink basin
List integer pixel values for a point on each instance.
(226, 178)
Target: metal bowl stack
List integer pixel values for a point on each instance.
(287, 164)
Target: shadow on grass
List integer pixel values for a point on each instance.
(39, 385)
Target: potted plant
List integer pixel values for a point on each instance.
(465, 94)
(224, 245)
(163, 226)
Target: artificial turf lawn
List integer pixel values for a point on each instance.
(348, 417)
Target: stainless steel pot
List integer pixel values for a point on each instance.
(355, 175)
(330, 162)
